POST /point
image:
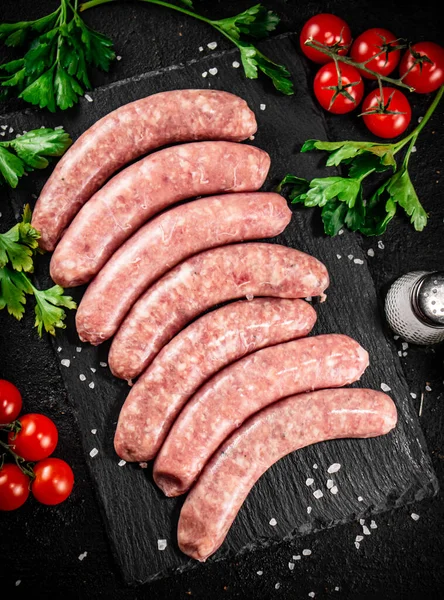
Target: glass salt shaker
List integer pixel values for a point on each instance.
(414, 307)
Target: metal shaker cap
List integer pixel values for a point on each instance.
(428, 298)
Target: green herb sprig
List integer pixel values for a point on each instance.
(342, 198)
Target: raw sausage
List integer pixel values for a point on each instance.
(295, 422)
(130, 198)
(125, 134)
(182, 366)
(207, 279)
(243, 388)
(167, 240)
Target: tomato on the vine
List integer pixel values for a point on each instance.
(10, 402)
(14, 487)
(397, 112)
(53, 481)
(329, 30)
(341, 92)
(36, 439)
(373, 42)
(422, 67)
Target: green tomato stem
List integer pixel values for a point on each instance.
(19, 461)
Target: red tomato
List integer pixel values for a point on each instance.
(37, 438)
(53, 481)
(387, 125)
(334, 97)
(10, 402)
(371, 43)
(424, 74)
(14, 487)
(330, 31)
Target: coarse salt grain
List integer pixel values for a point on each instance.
(413, 148)
(385, 387)
(340, 232)
(350, 256)
(315, 466)
(359, 538)
(235, 64)
(82, 377)
(204, 74)
(291, 566)
(118, 58)
(59, 349)
(11, 129)
(94, 431)
(94, 452)
(371, 252)
(4, 127)
(373, 525)
(121, 463)
(317, 494)
(18, 582)
(404, 353)
(311, 594)
(334, 468)
(161, 544)
(399, 352)
(413, 395)
(361, 521)
(330, 484)
(92, 385)
(428, 388)
(357, 544)
(297, 557)
(336, 589)
(381, 245)
(88, 97)
(83, 555)
(420, 119)
(414, 516)
(2, 133)
(404, 345)
(273, 522)
(309, 509)
(338, 256)
(212, 45)
(103, 364)
(200, 48)
(334, 489)
(262, 106)
(277, 586)
(249, 297)
(93, 370)
(65, 362)
(212, 71)
(306, 552)
(358, 261)
(78, 349)
(143, 465)
(260, 572)
(360, 499)
(366, 530)
(309, 481)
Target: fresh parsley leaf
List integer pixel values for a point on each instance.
(380, 210)
(13, 287)
(298, 185)
(343, 151)
(11, 167)
(255, 22)
(366, 163)
(252, 60)
(48, 314)
(41, 91)
(18, 244)
(401, 190)
(333, 216)
(15, 34)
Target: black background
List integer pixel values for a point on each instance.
(402, 558)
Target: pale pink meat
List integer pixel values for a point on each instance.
(203, 348)
(290, 424)
(205, 280)
(167, 240)
(125, 134)
(138, 192)
(243, 388)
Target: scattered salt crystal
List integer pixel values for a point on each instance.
(330, 484)
(414, 516)
(385, 387)
(381, 245)
(143, 465)
(358, 261)
(291, 566)
(317, 494)
(103, 364)
(297, 557)
(306, 552)
(413, 395)
(118, 58)
(262, 106)
(204, 74)
(396, 337)
(82, 377)
(91, 385)
(212, 45)
(78, 349)
(336, 589)
(161, 544)
(420, 119)
(315, 466)
(3, 133)
(4, 127)
(361, 521)
(82, 556)
(371, 252)
(18, 582)
(338, 256)
(334, 468)
(59, 349)
(10, 130)
(399, 352)
(65, 362)
(121, 463)
(249, 297)
(94, 431)
(309, 481)
(212, 71)
(404, 353)
(360, 499)
(359, 538)
(94, 452)
(334, 489)
(93, 369)
(350, 256)
(58, 127)
(357, 544)
(413, 148)
(236, 64)
(277, 586)
(404, 345)
(373, 525)
(311, 594)
(309, 509)
(88, 97)
(428, 388)
(340, 232)
(366, 530)
(200, 48)
(273, 522)
(260, 572)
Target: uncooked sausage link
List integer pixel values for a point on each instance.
(295, 422)
(138, 192)
(167, 240)
(243, 388)
(127, 133)
(207, 279)
(203, 348)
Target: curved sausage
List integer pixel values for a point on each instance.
(295, 422)
(130, 198)
(243, 388)
(166, 241)
(125, 134)
(207, 279)
(203, 348)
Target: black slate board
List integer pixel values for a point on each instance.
(375, 474)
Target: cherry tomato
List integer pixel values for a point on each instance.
(387, 125)
(10, 402)
(328, 29)
(53, 481)
(372, 42)
(427, 75)
(37, 438)
(14, 487)
(328, 94)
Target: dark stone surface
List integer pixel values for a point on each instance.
(402, 558)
